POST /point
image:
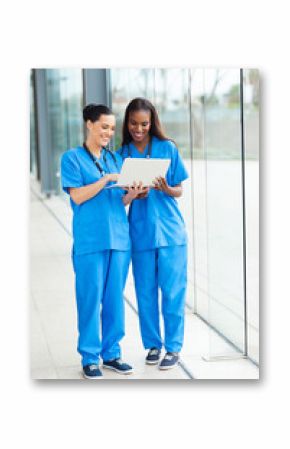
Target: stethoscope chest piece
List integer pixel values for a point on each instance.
(97, 164)
(149, 150)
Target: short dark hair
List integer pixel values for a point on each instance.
(93, 112)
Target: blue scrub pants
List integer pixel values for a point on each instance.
(164, 268)
(100, 280)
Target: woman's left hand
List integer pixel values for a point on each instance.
(161, 185)
(135, 190)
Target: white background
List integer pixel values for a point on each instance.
(200, 414)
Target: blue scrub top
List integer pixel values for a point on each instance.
(156, 221)
(100, 223)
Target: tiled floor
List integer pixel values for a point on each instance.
(53, 314)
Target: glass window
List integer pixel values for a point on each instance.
(65, 103)
(198, 182)
(223, 199)
(251, 128)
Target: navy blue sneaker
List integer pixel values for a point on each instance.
(118, 366)
(169, 361)
(92, 372)
(153, 356)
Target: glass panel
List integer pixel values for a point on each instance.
(172, 103)
(251, 127)
(224, 210)
(65, 103)
(200, 250)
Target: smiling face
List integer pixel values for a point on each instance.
(139, 126)
(102, 130)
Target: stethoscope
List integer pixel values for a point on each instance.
(148, 152)
(96, 162)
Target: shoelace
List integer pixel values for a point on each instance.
(169, 356)
(153, 352)
(93, 367)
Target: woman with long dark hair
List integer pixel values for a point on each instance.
(101, 243)
(158, 236)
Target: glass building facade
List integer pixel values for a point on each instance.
(213, 116)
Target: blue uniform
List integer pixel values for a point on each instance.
(101, 255)
(159, 252)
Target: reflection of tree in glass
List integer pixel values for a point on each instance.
(233, 96)
(253, 79)
(142, 83)
(212, 97)
(164, 93)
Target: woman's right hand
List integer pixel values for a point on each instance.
(144, 193)
(112, 177)
(133, 192)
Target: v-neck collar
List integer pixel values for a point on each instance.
(141, 153)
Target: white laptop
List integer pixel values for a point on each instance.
(144, 170)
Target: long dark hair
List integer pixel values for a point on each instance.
(141, 104)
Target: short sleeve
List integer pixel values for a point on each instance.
(70, 172)
(122, 152)
(177, 172)
(119, 159)
(119, 153)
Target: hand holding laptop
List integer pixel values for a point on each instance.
(145, 171)
(142, 190)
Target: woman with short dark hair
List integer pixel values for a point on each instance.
(101, 243)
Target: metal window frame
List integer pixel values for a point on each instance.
(97, 89)
(97, 85)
